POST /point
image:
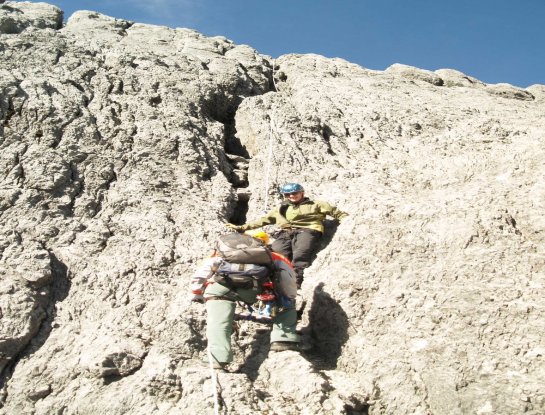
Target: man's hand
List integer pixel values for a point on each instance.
(236, 228)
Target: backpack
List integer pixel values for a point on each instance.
(247, 262)
(243, 249)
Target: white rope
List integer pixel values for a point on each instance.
(214, 383)
(268, 171)
(274, 82)
(270, 152)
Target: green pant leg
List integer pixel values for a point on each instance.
(284, 325)
(219, 319)
(219, 323)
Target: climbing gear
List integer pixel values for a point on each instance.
(243, 249)
(236, 275)
(266, 306)
(282, 346)
(247, 262)
(266, 311)
(259, 234)
(234, 227)
(291, 188)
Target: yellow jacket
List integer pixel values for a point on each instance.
(306, 214)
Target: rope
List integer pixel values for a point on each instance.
(268, 171)
(270, 152)
(214, 383)
(274, 82)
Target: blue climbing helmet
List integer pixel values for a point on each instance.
(291, 188)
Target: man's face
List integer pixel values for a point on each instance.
(294, 197)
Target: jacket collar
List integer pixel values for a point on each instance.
(304, 201)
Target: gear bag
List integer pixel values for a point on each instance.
(242, 275)
(247, 261)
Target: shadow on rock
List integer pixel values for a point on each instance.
(327, 329)
(258, 353)
(57, 291)
(61, 282)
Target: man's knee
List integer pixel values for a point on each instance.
(282, 248)
(306, 244)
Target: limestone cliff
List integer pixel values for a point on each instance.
(124, 147)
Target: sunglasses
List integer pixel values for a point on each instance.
(290, 194)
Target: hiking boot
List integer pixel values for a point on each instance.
(216, 365)
(281, 346)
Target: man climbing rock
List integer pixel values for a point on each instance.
(301, 221)
(213, 284)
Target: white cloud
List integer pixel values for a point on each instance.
(169, 11)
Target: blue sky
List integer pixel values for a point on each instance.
(491, 40)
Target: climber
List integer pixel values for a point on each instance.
(301, 221)
(209, 284)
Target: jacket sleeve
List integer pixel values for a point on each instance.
(268, 219)
(333, 211)
(203, 272)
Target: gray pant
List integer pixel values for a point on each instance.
(298, 245)
(220, 317)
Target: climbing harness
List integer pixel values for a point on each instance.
(214, 382)
(266, 304)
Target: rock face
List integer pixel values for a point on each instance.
(124, 147)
